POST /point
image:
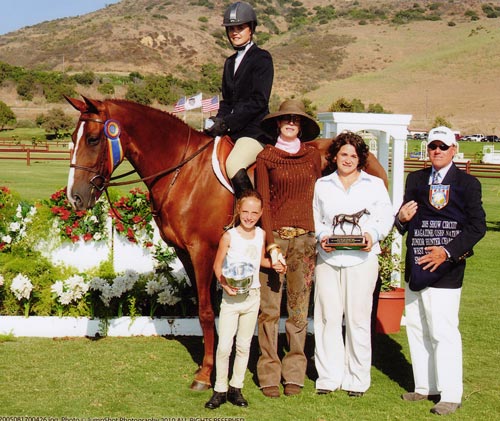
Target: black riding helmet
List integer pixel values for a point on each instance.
(239, 13)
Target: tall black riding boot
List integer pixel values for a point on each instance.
(241, 182)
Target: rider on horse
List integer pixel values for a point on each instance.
(246, 87)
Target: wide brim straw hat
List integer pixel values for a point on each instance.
(309, 129)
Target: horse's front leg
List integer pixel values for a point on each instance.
(202, 263)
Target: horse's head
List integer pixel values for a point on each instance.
(96, 151)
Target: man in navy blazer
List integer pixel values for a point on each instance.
(443, 215)
(246, 88)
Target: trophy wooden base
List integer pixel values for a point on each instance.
(347, 242)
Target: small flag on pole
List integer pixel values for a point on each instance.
(193, 102)
(180, 105)
(210, 104)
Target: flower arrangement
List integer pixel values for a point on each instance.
(34, 285)
(132, 217)
(78, 225)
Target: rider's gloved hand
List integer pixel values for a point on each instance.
(219, 127)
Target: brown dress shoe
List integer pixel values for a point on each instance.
(445, 408)
(292, 389)
(217, 399)
(235, 396)
(271, 391)
(415, 397)
(353, 394)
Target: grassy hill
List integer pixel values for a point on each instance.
(425, 58)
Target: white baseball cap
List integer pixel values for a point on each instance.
(442, 133)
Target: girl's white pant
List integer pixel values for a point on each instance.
(238, 317)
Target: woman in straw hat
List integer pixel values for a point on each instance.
(285, 177)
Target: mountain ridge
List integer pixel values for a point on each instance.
(371, 59)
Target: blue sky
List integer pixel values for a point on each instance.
(15, 14)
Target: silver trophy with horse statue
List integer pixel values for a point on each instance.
(352, 239)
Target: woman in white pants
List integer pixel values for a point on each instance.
(345, 279)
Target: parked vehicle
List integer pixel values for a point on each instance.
(473, 138)
(491, 138)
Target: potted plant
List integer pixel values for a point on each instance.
(390, 303)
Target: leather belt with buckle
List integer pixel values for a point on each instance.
(287, 233)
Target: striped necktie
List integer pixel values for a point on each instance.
(436, 178)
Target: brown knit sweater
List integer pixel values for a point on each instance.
(286, 183)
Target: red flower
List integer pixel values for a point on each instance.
(120, 227)
(68, 230)
(136, 219)
(87, 236)
(74, 238)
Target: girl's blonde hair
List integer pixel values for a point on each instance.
(250, 193)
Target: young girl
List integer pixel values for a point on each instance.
(244, 243)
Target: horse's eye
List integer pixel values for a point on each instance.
(92, 141)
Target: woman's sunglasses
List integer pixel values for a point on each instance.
(290, 118)
(434, 146)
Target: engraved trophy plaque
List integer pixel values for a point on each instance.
(344, 240)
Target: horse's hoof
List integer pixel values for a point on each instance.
(200, 386)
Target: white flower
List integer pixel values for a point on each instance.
(58, 288)
(97, 236)
(93, 219)
(7, 239)
(1, 280)
(32, 211)
(72, 289)
(14, 226)
(21, 287)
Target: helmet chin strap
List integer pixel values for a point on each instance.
(241, 47)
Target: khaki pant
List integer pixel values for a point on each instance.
(300, 254)
(243, 155)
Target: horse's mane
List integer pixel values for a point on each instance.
(141, 108)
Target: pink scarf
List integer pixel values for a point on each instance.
(292, 146)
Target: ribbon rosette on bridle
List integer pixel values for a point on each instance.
(112, 131)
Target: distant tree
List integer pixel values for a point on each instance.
(85, 78)
(106, 88)
(441, 121)
(344, 105)
(56, 121)
(377, 108)
(7, 116)
(139, 94)
(26, 87)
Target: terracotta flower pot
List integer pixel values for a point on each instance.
(390, 309)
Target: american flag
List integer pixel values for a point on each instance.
(180, 105)
(210, 104)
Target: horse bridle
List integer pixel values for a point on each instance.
(105, 184)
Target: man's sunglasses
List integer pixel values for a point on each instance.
(434, 146)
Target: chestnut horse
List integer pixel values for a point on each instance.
(190, 206)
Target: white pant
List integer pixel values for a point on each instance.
(349, 292)
(435, 341)
(238, 316)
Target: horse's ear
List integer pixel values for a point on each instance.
(76, 103)
(93, 105)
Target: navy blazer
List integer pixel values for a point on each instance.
(464, 205)
(246, 94)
